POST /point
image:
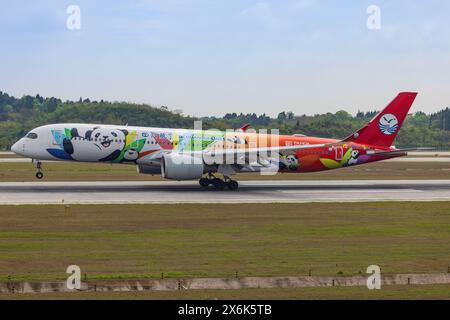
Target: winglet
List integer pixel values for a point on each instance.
(244, 127)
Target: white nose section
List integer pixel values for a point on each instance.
(18, 147)
(14, 147)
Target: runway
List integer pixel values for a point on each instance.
(115, 192)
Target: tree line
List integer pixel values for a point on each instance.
(19, 115)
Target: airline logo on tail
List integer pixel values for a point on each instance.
(388, 124)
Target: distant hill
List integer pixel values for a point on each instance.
(19, 115)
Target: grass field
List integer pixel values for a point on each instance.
(142, 241)
(68, 171)
(386, 292)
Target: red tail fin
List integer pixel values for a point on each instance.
(383, 128)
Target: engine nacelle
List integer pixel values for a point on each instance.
(148, 169)
(181, 167)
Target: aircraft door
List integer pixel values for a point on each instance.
(338, 153)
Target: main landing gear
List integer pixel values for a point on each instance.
(219, 184)
(39, 174)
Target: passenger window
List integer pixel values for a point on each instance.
(32, 135)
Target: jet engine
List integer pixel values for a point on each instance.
(149, 169)
(181, 166)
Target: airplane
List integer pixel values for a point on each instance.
(184, 154)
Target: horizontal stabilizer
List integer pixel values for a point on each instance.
(395, 151)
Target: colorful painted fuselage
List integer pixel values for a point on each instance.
(142, 145)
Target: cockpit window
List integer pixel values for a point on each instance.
(32, 135)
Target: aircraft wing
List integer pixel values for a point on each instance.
(242, 151)
(246, 155)
(263, 156)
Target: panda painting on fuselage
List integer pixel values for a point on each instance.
(98, 144)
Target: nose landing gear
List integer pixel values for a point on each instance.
(39, 174)
(218, 183)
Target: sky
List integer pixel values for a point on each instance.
(211, 57)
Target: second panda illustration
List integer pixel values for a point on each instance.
(130, 155)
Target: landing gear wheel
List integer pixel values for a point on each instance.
(204, 182)
(39, 174)
(232, 185)
(219, 184)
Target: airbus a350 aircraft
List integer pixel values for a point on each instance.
(182, 154)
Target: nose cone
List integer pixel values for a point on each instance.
(16, 147)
